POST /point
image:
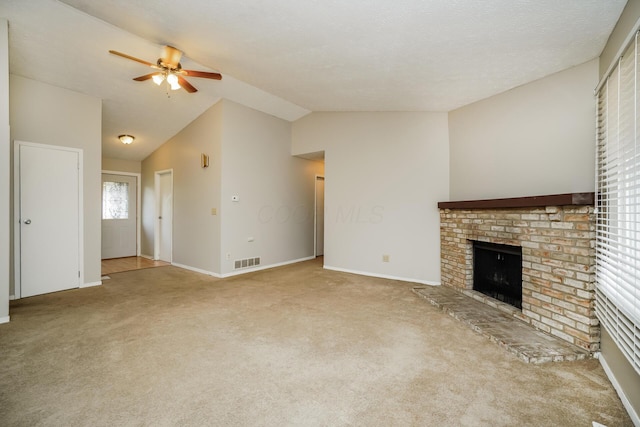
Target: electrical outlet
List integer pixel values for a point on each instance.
(385, 258)
(228, 255)
(214, 211)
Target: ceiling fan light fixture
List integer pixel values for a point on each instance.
(168, 69)
(172, 79)
(158, 79)
(126, 139)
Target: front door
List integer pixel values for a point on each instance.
(119, 216)
(49, 219)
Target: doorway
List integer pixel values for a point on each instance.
(120, 218)
(164, 218)
(48, 212)
(319, 216)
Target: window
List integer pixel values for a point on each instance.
(618, 213)
(115, 200)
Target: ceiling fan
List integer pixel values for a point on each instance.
(170, 70)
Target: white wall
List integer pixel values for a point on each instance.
(5, 178)
(121, 165)
(533, 140)
(384, 175)
(623, 28)
(196, 233)
(47, 114)
(276, 190)
(622, 374)
(249, 157)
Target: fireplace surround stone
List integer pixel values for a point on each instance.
(557, 237)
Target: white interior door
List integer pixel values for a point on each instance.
(49, 201)
(165, 216)
(119, 216)
(319, 215)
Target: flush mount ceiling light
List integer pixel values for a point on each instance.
(126, 139)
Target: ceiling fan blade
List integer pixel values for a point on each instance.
(146, 77)
(203, 74)
(124, 55)
(186, 85)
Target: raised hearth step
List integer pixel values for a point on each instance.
(528, 344)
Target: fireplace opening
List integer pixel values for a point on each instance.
(497, 272)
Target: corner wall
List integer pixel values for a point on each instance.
(196, 233)
(384, 175)
(536, 139)
(622, 374)
(47, 114)
(275, 190)
(250, 158)
(624, 26)
(5, 179)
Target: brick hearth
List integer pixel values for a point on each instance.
(558, 257)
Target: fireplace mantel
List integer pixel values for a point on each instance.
(566, 199)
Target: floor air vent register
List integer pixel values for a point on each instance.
(246, 263)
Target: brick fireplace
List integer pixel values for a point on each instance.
(557, 237)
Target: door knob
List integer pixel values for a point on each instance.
(27, 221)
(159, 217)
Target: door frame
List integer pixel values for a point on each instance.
(156, 231)
(17, 261)
(315, 213)
(138, 201)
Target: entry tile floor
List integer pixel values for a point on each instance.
(118, 265)
(519, 338)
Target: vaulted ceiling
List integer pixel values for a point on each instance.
(290, 57)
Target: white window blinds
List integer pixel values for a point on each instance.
(618, 213)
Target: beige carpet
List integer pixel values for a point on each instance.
(293, 346)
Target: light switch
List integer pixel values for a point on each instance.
(214, 211)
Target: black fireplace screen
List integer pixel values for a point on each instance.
(497, 272)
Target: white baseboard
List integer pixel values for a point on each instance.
(265, 267)
(195, 269)
(616, 385)
(294, 261)
(4, 319)
(146, 256)
(382, 276)
(90, 284)
(244, 270)
(12, 297)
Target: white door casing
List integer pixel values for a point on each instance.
(49, 219)
(119, 236)
(319, 216)
(164, 218)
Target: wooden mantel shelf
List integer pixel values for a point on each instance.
(567, 199)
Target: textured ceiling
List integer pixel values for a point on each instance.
(286, 57)
(57, 44)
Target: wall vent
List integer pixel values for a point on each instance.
(246, 263)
